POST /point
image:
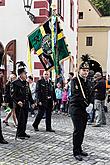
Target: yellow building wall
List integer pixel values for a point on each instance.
(90, 16)
(99, 49)
(96, 26)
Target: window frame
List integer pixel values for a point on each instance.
(72, 14)
(60, 8)
(82, 15)
(2, 2)
(89, 41)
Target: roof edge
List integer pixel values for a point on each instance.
(98, 12)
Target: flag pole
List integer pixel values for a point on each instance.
(54, 39)
(29, 58)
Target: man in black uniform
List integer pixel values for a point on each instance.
(21, 95)
(45, 96)
(78, 106)
(2, 141)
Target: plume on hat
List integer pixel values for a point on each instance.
(21, 67)
(21, 64)
(85, 58)
(85, 62)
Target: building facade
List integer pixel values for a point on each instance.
(16, 26)
(94, 34)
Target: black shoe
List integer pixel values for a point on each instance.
(3, 141)
(36, 129)
(78, 157)
(103, 123)
(50, 130)
(6, 122)
(28, 136)
(21, 137)
(84, 153)
(96, 125)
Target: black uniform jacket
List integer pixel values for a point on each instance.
(1, 99)
(8, 98)
(77, 100)
(21, 92)
(1, 92)
(41, 94)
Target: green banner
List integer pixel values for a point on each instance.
(41, 41)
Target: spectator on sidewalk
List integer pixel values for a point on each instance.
(65, 101)
(71, 75)
(58, 92)
(99, 101)
(91, 112)
(32, 86)
(9, 101)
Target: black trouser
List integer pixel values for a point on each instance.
(65, 107)
(1, 136)
(31, 110)
(22, 116)
(45, 108)
(58, 104)
(79, 122)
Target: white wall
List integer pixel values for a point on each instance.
(15, 24)
(108, 59)
(71, 36)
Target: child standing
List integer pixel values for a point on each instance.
(58, 92)
(65, 100)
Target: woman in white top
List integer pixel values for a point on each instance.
(32, 85)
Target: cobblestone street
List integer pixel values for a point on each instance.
(45, 148)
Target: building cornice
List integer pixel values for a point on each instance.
(108, 27)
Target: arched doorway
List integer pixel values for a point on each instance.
(10, 57)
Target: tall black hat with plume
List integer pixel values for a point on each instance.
(85, 62)
(21, 67)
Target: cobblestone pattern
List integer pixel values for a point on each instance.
(44, 148)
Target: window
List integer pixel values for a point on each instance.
(89, 41)
(80, 15)
(61, 8)
(72, 14)
(2, 2)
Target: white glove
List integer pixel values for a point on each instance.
(89, 108)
